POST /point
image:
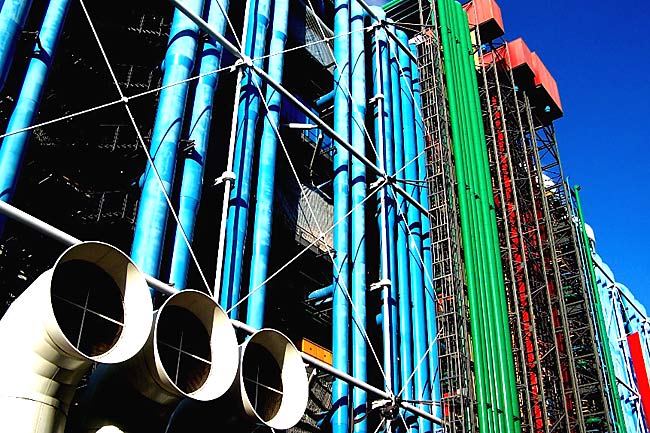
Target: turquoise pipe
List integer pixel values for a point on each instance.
(13, 15)
(404, 288)
(199, 135)
(320, 294)
(480, 368)
(358, 216)
(341, 272)
(386, 222)
(13, 147)
(247, 116)
(151, 222)
(422, 390)
(429, 290)
(266, 177)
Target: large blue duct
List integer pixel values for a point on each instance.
(13, 147)
(414, 236)
(429, 294)
(341, 308)
(405, 325)
(358, 217)
(247, 116)
(13, 14)
(266, 176)
(389, 259)
(199, 135)
(151, 222)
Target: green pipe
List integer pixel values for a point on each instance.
(602, 330)
(497, 284)
(477, 325)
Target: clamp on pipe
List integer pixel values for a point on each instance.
(225, 176)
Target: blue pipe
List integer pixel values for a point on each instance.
(13, 15)
(358, 217)
(324, 293)
(414, 239)
(325, 99)
(389, 167)
(151, 222)
(266, 177)
(247, 115)
(13, 147)
(430, 294)
(199, 135)
(341, 234)
(406, 329)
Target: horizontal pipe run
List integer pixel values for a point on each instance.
(302, 107)
(67, 239)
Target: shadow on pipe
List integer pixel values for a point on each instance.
(92, 306)
(271, 390)
(191, 352)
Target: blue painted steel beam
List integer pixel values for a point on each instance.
(13, 14)
(266, 177)
(358, 217)
(199, 135)
(429, 290)
(13, 147)
(247, 116)
(341, 234)
(151, 221)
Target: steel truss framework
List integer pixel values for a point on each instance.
(454, 352)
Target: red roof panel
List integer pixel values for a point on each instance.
(487, 15)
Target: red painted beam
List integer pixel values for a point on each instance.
(641, 371)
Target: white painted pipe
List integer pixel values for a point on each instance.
(271, 389)
(192, 352)
(92, 306)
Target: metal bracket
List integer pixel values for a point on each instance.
(226, 176)
(380, 284)
(375, 99)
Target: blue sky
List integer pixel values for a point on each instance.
(598, 53)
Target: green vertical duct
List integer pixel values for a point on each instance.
(498, 407)
(619, 421)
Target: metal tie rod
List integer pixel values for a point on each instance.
(247, 61)
(69, 240)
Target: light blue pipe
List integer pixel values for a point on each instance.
(324, 293)
(429, 290)
(247, 115)
(358, 217)
(199, 135)
(405, 325)
(151, 222)
(340, 307)
(384, 88)
(414, 239)
(13, 15)
(13, 147)
(325, 99)
(266, 176)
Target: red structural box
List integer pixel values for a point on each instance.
(515, 56)
(549, 106)
(485, 14)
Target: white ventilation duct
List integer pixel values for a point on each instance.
(192, 352)
(271, 389)
(92, 306)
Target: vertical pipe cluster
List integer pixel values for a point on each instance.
(13, 14)
(255, 31)
(266, 176)
(149, 236)
(493, 358)
(13, 147)
(199, 134)
(341, 308)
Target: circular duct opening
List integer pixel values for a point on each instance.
(87, 304)
(184, 348)
(262, 381)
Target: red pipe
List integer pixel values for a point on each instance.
(641, 371)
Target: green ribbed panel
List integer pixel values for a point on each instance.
(498, 407)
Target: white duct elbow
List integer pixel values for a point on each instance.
(93, 305)
(192, 352)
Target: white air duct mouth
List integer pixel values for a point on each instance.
(101, 303)
(195, 346)
(273, 380)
